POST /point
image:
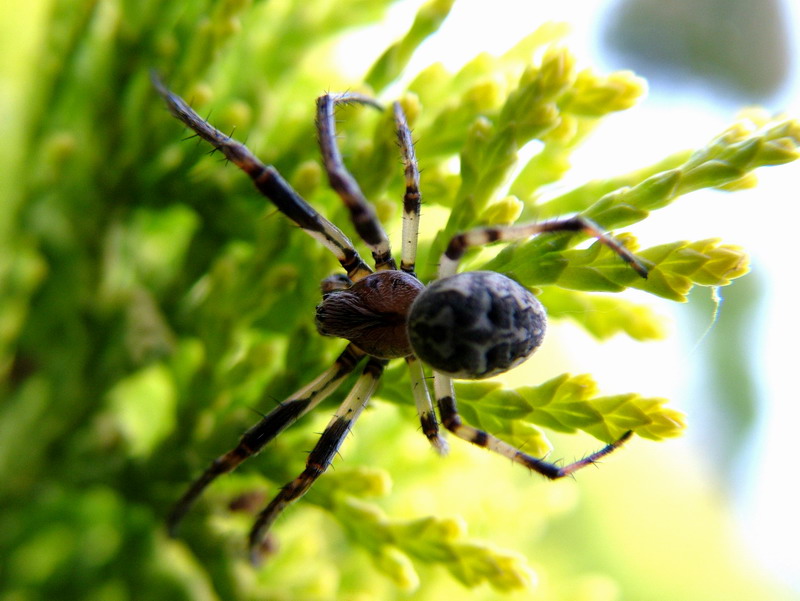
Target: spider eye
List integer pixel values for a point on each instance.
(475, 325)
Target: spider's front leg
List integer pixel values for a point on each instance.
(321, 456)
(482, 236)
(362, 213)
(271, 184)
(412, 199)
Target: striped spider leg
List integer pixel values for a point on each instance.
(272, 424)
(446, 400)
(460, 243)
(321, 455)
(518, 325)
(412, 200)
(362, 213)
(272, 185)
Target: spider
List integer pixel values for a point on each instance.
(470, 325)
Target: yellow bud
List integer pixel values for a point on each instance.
(411, 106)
(450, 528)
(565, 131)
(306, 178)
(780, 150)
(757, 115)
(503, 212)
(628, 88)
(374, 482)
(365, 514)
(60, 146)
(557, 70)
(513, 572)
(201, 93)
(237, 113)
(485, 96)
(481, 129)
(746, 182)
(396, 564)
(483, 64)
(171, 157)
(364, 482)
(229, 27)
(595, 95)
(430, 75)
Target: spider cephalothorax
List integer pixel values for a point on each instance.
(463, 325)
(372, 313)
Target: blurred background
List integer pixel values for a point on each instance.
(709, 516)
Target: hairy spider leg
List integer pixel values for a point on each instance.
(446, 400)
(362, 213)
(272, 424)
(422, 398)
(411, 198)
(481, 236)
(271, 184)
(411, 212)
(321, 455)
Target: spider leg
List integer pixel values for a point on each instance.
(411, 198)
(270, 183)
(445, 396)
(480, 236)
(362, 213)
(272, 424)
(427, 416)
(322, 455)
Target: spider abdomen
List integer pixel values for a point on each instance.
(475, 325)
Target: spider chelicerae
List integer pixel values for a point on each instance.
(469, 325)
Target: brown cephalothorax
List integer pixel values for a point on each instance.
(372, 313)
(463, 325)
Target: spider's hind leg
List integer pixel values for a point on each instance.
(322, 454)
(445, 397)
(272, 424)
(427, 416)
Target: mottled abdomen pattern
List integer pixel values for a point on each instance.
(475, 325)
